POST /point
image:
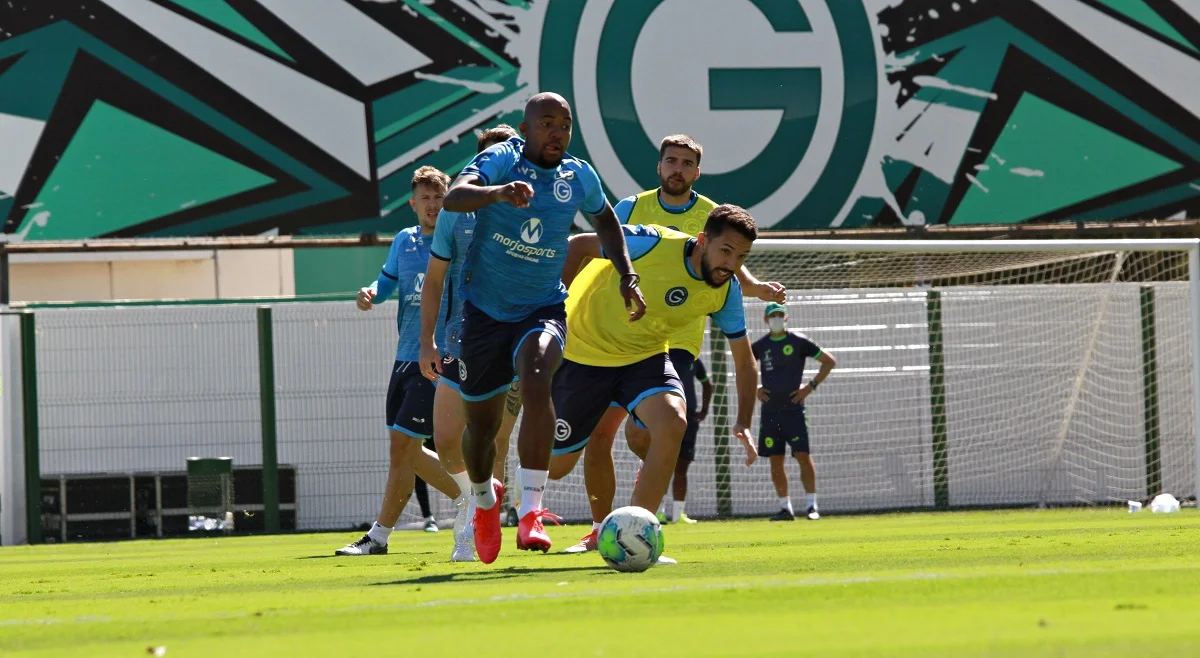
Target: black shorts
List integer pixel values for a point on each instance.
(487, 365)
(410, 401)
(583, 393)
(687, 449)
(779, 427)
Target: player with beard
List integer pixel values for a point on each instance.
(675, 204)
(611, 360)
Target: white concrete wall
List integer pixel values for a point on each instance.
(222, 274)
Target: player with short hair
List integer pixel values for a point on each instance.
(687, 450)
(674, 204)
(781, 355)
(410, 396)
(610, 360)
(525, 194)
(451, 242)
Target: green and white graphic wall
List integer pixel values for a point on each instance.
(188, 117)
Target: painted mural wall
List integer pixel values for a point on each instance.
(186, 117)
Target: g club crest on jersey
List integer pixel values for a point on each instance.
(676, 296)
(562, 190)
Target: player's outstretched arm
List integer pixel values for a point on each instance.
(767, 291)
(612, 239)
(746, 369)
(431, 308)
(580, 249)
(468, 194)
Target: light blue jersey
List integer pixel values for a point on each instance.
(405, 270)
(451, 241)
(514, 265)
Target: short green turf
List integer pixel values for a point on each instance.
(1079, 582)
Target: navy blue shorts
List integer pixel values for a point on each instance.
(451, 373)
(410, 401)
(488, 359)
(583, 393)
(779, 427)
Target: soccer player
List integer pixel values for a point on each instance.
(781, 355)
(675, 204)
(687, 449)
(410, 396)
(451, 241)
(525, 194)
(611, 360)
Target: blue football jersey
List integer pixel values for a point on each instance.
(514, 265)
(451, 241)
(404, 272)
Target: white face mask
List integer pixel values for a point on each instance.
(777, 324)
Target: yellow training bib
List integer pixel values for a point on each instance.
(599, 332)
(647, 210)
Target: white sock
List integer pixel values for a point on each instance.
(678, 510)
(516, 492)
(595, 526)
(464, 485)
(533, 484)
(485, 495)
(379, 534)
(786, 503)
(812, 500)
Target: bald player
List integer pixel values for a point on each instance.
(525, 193)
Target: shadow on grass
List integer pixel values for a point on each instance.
(482, 576)
(354, 557)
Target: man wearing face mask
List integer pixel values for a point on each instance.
(781, 355)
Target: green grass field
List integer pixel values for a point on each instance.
(1094, 582)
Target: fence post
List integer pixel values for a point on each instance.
(937, 400)
(720, 407)
(266, 396)
(1150, 392)
(29, 412)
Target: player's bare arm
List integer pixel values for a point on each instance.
(828, 362)
(468, 194)
(746, 370)
(581, 248)
(431, 308)
(612, 238)
(767, 291)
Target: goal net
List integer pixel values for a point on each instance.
(968, 374)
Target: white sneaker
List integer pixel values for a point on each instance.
(364, 546)
(813, 514)
(662, 559)
(464, 534)
(431, 524)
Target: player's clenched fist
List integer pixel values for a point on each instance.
(517, 193)
(365, 296)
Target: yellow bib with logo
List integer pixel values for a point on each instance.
(599, 332)
(648, 210)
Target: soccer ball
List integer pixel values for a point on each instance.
(630, 539)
